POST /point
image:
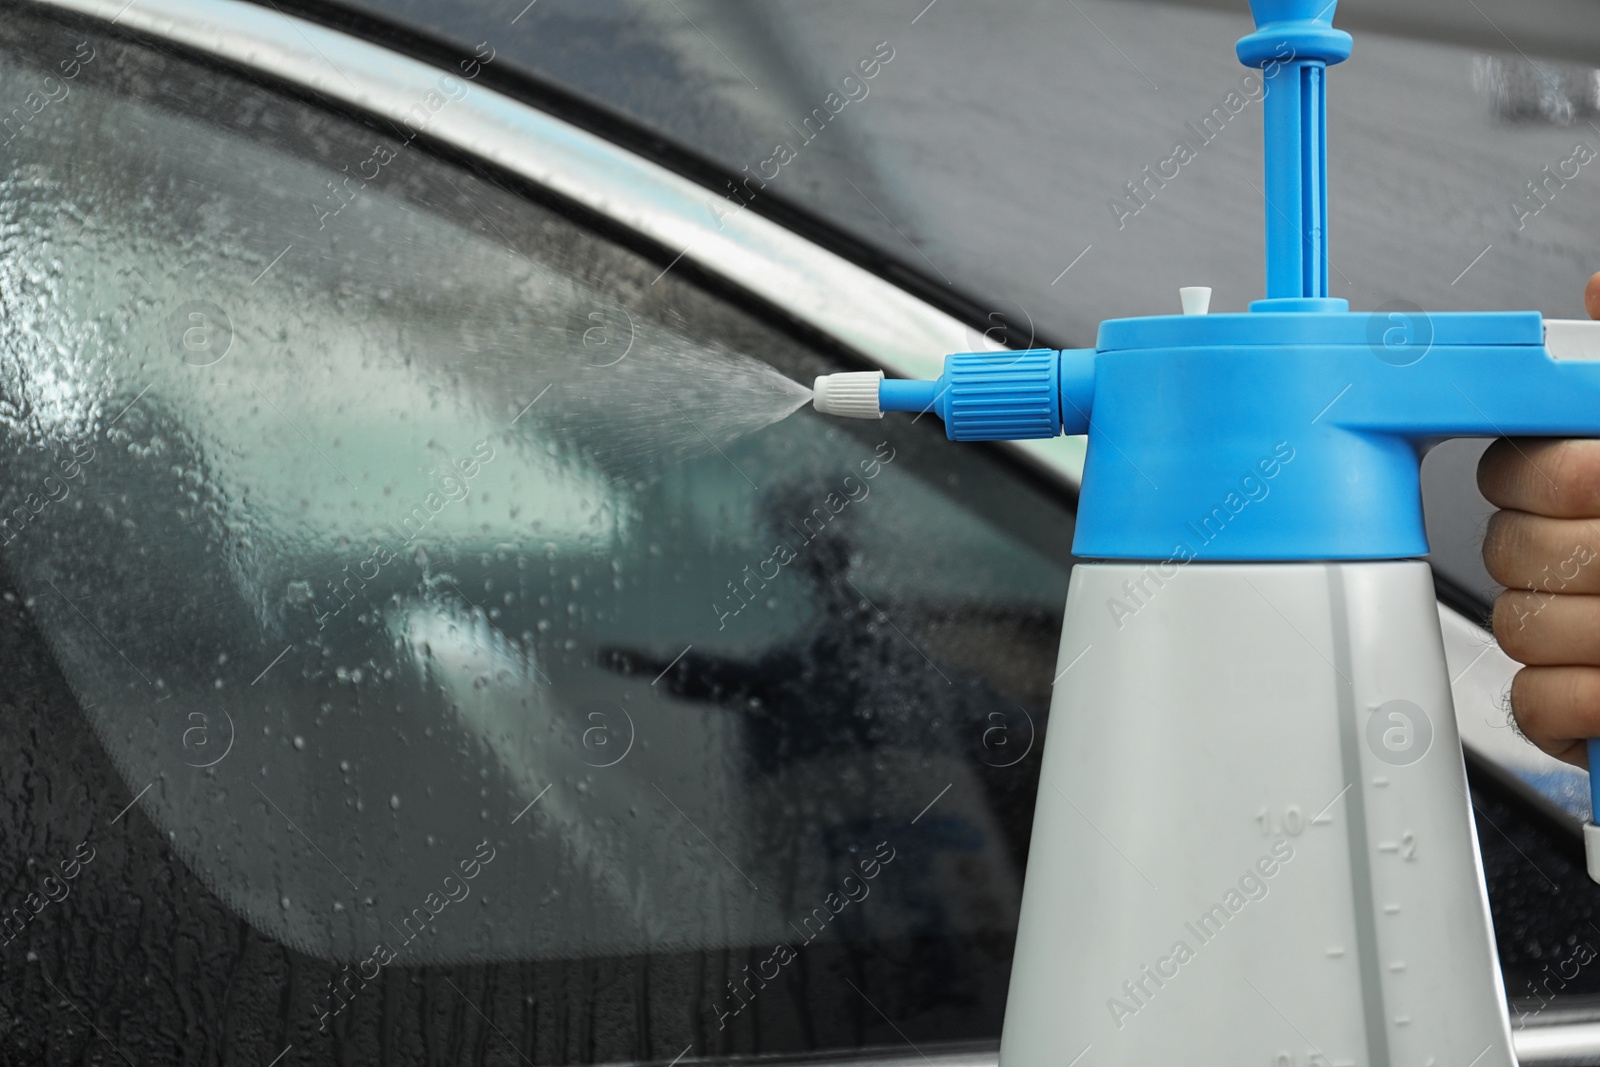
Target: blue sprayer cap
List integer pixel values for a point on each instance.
(1195, 420)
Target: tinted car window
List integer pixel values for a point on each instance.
(422, 649)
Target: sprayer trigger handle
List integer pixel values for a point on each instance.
(1591, 832)
(1572, 338)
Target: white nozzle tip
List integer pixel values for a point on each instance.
(1196, 299)
(1591, 850)
(851, 395)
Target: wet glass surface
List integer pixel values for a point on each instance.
(412, 633)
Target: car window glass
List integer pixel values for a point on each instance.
(386, 526)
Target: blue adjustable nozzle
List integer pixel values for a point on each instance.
(981, 396)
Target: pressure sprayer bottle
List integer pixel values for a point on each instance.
(1253, 843)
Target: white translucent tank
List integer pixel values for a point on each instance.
(1253, 844)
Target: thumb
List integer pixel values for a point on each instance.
(1591, 296)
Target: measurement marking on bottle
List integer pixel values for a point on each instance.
(1292, 822)
(1391, 909)
(1398, 965)
(1402, 1020)
(1336, 950)
(1388, 846)
(1322, 817)
(1380, 781)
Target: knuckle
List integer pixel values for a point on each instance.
(1492, 469)
(1510, 624)
(1506, 546)
(1528, 704)
(1554, 705)
(1567, 473)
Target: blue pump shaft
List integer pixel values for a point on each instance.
(1294, 44)
(1297, 180)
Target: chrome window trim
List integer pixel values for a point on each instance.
(864, 312)
(1557, 1044)
(1542, 1043)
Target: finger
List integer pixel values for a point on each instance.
(1558, 709)
(1591, 296)
(1523, 551)
(1543, 629)
(1560, 478)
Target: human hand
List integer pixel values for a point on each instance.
(1544, 546)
